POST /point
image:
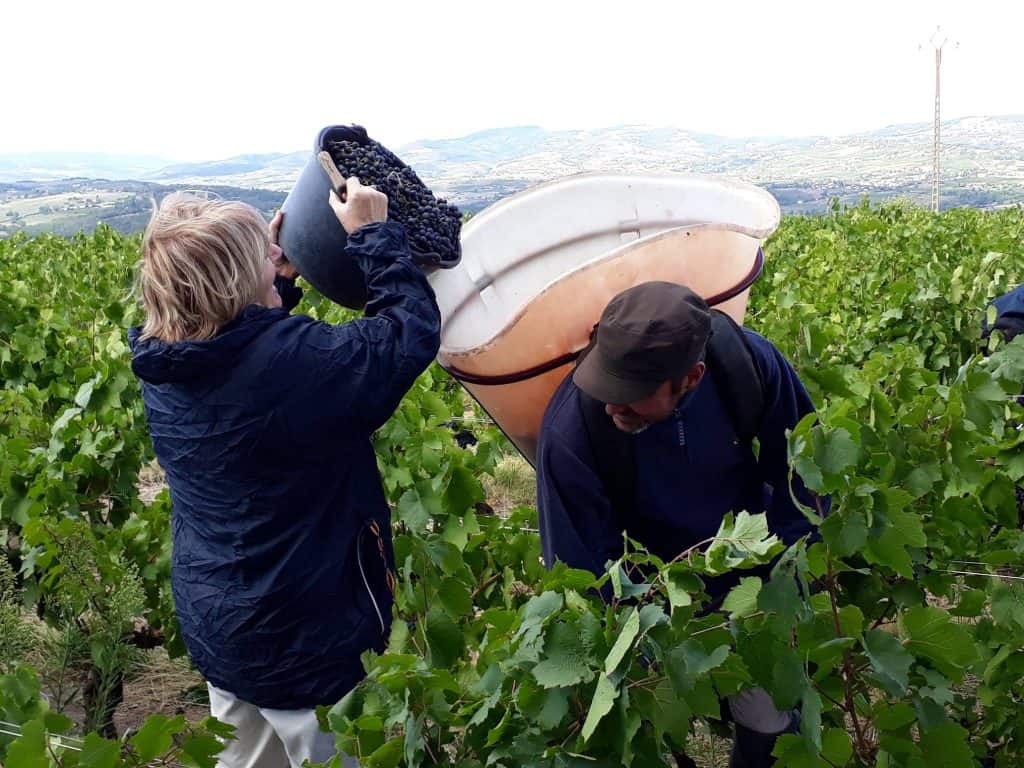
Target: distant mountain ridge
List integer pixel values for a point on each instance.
(529, 152)
(288, 165)
(980, 154)
(982, 162)
(40, 166)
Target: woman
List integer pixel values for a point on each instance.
(261, 421)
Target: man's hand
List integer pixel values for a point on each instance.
(283, 267)
(363, 205)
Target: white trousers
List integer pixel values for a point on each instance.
(271, 738)
(755, 709)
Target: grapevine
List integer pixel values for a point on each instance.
(898, 629)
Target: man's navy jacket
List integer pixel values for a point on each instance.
(690, 471)
(264, 434)
(1009, 318)
(1009, 313)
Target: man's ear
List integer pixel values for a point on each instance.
(695, 375)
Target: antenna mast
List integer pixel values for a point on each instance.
(938, 41)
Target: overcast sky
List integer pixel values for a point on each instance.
(203, 80)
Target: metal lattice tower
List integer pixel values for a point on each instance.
(938, 41)
(938, 129)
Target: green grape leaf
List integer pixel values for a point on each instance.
(946, 746)
(604, 698)
(98, 752)
(156, 736)
(624, 642)
(444, 639)
(931, 634)
(890, 661)
(568, 656)
(742, 599)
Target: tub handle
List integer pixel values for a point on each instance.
(337, 180)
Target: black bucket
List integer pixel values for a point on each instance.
(313, 239)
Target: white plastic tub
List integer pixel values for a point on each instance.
(538, 268)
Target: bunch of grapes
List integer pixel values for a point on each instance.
(431, 224)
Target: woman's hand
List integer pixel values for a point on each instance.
(282, 266)
(363, 205)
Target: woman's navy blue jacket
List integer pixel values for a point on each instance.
(264, 434)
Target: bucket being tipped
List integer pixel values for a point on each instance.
(539, 267)
(314, 240)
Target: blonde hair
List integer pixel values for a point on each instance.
(202, 264)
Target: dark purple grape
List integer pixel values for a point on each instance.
(432, 224)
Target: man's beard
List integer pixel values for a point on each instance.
(640, 427)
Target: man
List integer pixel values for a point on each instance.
(1009, 321)
(1009, 318)
(649, 371)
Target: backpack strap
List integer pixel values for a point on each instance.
(737, 376)
(614, 452)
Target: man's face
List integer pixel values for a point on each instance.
(638, 416)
